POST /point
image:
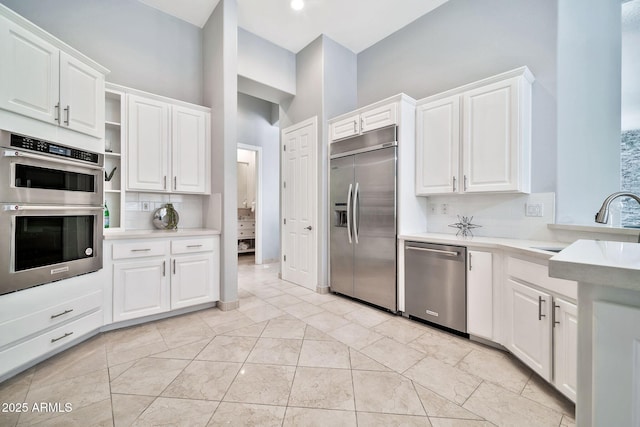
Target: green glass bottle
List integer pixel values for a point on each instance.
(106, 216)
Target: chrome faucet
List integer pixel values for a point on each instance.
(603, 214)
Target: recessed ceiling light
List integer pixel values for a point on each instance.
(297, 4)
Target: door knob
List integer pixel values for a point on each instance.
(308, 228)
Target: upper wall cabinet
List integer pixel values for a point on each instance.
(168, 146)
(44, 79)
(365, 121)
(476, 138)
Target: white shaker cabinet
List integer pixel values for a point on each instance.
(496, 138)
(140, 288)
(147, 144)
(565, 335)
(195, 271)
(368, 119)
(476, 138)
(30, 73)
(343, 128)
(168, 146)
(40, 80)
(189, 152)
(529, 332)
(480, 294)
(81, 96)
(438, 146)
(152, 276)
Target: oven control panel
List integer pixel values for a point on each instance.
(39, 146)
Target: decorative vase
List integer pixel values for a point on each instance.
(166, 218)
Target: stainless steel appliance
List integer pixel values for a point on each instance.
(436, 284)
(51, 212)
(363, 217)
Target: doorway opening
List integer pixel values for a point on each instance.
(249, 204)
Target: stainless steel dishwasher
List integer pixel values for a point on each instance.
(436, 284)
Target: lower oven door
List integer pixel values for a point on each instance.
(42, 244)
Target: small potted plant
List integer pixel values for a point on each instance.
(108, 177)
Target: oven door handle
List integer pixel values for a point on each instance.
(51, 208)
(16, 153)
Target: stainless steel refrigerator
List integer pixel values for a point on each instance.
(363, 217)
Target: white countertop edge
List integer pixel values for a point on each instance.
(612, 264)
(522, 246)
(595, 229)
(158, 234)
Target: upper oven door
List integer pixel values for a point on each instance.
(33, 178)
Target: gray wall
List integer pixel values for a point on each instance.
(143, 47)
(255, 128)
(589, 73)
(467, 40)
(221, 94)
(264, 63)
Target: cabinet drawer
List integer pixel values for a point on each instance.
(538, 274)
(246, 225)
(191, 245)
(138, 250)
(16, 329)
(246, 234)
(40, 345)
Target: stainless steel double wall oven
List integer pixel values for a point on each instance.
(51, 211)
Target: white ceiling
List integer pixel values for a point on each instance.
(355, 24)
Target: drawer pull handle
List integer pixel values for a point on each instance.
(555, 322)
(438, 251)
(53, 316)
(59, 338)
(540, 301)
(140, 250)
(194, 246)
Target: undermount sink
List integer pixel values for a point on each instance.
(548, 249)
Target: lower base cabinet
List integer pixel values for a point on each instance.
(565, 335)
(156, 276)
(542, 324)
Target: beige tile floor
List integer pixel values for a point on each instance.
(286, 357)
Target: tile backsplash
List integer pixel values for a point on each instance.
(630, 171)
(499, 215)
(139, 209)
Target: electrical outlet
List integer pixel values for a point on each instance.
(444, 209)
(146, 206)
(433, 208)
(534, 209)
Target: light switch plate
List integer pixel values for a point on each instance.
(534, 209)
(146, 206)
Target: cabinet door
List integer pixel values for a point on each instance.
(379, 117)
(29, 75)
(345, 127)
(190, 153)
(140, 288)
(490, 138)
(480, 294)
(81, 97)
(565, 339)
(148, 144)
(529, 328)
(437, 146)
(194, 280)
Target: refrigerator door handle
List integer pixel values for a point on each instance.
(348, 211)
(355, 212)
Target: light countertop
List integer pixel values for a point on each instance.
(614, 264)
(523, 246)
(157, 234)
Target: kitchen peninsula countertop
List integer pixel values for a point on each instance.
(611, 264)
(158, 234)
(523, 246)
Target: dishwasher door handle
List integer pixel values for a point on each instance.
(438, 251)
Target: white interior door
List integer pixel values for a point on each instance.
(299, 201)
